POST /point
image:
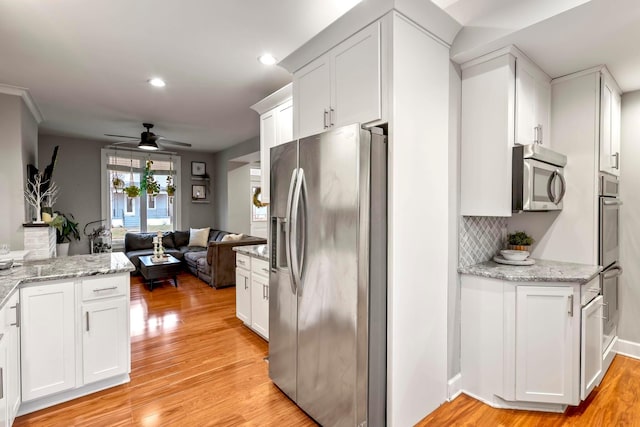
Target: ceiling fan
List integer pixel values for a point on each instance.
(148, 140)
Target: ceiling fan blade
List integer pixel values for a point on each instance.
(168, 141)
(122, 136)
(123, 142)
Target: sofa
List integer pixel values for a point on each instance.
(214, 264)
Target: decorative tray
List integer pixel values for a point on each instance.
(500, 260)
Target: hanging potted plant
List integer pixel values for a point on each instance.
(118, 183)
(171, 189)
(148, 183)
(66, 229)
(132, 191)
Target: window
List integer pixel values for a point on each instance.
(144, 213)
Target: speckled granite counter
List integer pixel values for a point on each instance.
(258, 251)
(62, 268)
(541, 271)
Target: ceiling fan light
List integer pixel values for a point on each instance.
(148, 145)
(157, 82)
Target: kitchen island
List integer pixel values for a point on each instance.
(65, 329)
(531, 336)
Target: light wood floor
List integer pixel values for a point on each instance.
(615, 403)
(193, 363)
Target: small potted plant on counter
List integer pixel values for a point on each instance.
(66, 229)
(519, 241)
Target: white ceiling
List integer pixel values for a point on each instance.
(86, 63)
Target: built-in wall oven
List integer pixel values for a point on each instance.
(609, 253)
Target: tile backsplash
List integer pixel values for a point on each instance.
(480, 238)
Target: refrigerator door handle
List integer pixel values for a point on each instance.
(293, 238)
(303, 235)
(287, 230)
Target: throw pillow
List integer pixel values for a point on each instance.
(198, 236)
(232, 237)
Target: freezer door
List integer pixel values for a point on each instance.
(282, 297)
(326, 219)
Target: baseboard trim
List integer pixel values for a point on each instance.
(455, 386)
(628, 348)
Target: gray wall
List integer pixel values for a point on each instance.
(630, 219)
(239, 200)
(219, 177)
(18, 140)
(77, 173)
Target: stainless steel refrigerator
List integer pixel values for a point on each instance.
(327, 285)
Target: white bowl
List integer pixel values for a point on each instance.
(513, 255)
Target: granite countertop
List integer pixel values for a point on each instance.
(62, 268)
(258, 251)
(541, 271)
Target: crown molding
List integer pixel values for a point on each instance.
(272, 101)
(26, 97)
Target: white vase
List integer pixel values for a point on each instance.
(62, 249)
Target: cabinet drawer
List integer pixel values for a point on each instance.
(103, 287)
(259, 266)
(243, 261)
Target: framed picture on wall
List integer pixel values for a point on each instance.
(198, 168)
(198, 192)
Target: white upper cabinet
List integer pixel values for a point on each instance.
(341, 87)
(276, 127)
(610, 103)
(506, 100)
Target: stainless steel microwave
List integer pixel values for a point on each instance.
(538, 179)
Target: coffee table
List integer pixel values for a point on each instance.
(158, 271)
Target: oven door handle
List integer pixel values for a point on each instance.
(612, 202)
(550, 187)
(612, 272)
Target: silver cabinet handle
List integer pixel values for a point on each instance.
(612, 202)
(263, 293)
(326, 118)
(1, 383)
(570, 306)
(266, 270)
(612, 272)
(17, 308)
(617, 164)
(246, 286)
(331, 114)
(605, 304)
(87, 316)
(267, 291)
(105, 289)
(240, 261)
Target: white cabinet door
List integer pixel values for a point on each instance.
(606, 99)
(356, 79)
(312, 97)
(105, 338)
(533, 101)
(260, 305)
(267, 140)
(4, 404)
(48, 339)
(243, 295)
(591, 347)
(616, 104)
(284, 115)
(12, 372)
(547, 344)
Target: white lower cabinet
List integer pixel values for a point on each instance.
(243, 295)
(4, 406)
(260, 305)
(74, 339)
(529, 346)
(12, 374)
(546, 344)
(104, 339)
(252, 293)
(48, 339)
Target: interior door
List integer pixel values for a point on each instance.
(328, 293)
(282, 299)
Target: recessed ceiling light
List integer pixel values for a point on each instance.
(267, 59)
(157, 82)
